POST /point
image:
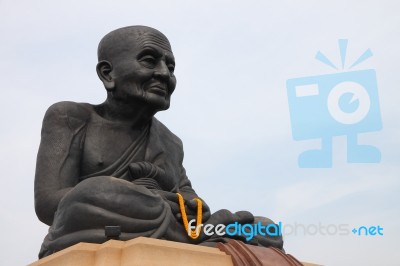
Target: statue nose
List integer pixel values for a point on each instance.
(162, 71)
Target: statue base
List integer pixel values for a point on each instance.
(140, 251)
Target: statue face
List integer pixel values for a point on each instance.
(144, 72)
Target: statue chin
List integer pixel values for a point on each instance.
(158, 102)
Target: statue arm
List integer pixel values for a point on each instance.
(58, 159)
(185, 186)
(187, 191)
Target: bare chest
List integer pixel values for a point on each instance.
(103, 145)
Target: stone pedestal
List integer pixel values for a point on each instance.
(140, 251)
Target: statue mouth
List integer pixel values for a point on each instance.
(158, 88)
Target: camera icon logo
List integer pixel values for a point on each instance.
(329, 105)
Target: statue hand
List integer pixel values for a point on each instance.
(171, 198)
(144, 170)
(192, 209)
(148, 170)
(190, 206)
(150, 176)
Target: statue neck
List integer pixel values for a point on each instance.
(136, 115)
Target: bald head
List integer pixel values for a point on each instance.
(121, 41)
(136, 66)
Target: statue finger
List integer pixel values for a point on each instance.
(170, 196)
(174, 207)
(206, 215)
(192, 204)
(136, 170)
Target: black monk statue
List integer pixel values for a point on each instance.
(115, 164)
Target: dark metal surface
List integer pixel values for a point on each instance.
(114, 163)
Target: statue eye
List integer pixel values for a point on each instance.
(171, 68)
(148, 60)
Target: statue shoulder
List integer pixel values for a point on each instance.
(77, 110)
(165, 133)
(72, 113)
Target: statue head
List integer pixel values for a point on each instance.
(136, 66)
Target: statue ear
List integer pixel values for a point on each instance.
(104, 69)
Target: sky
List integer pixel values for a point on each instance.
(230, 108)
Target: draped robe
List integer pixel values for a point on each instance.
(111, 196)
